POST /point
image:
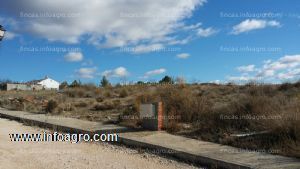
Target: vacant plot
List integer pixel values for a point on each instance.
(217, 113)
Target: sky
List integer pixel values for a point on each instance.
(133, 40)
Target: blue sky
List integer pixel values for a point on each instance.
(129, 40)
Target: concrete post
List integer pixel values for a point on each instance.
(152, 116)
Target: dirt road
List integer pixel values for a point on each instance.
(49, 155)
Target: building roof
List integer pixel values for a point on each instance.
(32, 82)
(37, 81)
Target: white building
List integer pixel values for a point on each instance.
(43, 84)
(49, 84)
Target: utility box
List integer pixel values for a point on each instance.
(152, 116)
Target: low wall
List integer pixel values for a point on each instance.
(23, 87)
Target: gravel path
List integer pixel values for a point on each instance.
(48, 155)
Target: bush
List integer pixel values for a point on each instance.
(297, 84)
(75, 92)
(185, 104)
(148, 98)
(75, 84)
(99, 99)
(51, 106)
(123, 93)
(104, 106)
(63, 85)
(285, 86)
(108, 94)
(81, 104)
(173, 127)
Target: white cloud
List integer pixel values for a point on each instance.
(183, 56)
(118, 72)
(147, 48)
(284, 68)
(121, 72)
(216, 81)
(8, 21)
(290, 59)
(86, 73)
(105, 24)
(88, 62)
(181, 41)
(239, 78)
(248, 68)
(200, 31)
(10, 35)
(154, 72)
(273, 23)
(253, 24)
(73, 57)
(287, 62)
(192, 27)
(265, 73)
(206, 32)
(289, 75)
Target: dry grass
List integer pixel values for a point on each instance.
(217, 111)
(51, 106)
(213, 112)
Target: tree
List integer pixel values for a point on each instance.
(118, 85)
(75, 84)
(167, 79)
(79, 82)
(63, 85)
(104, 82)
(4, 82)
(140, 83)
